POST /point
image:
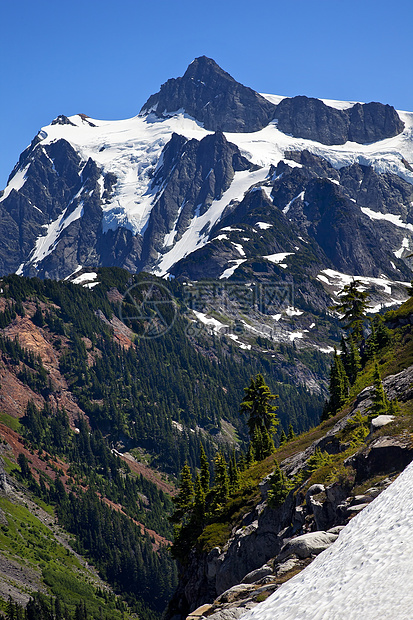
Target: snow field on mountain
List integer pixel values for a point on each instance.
(46, 243)
(367, 573)
(131, 150)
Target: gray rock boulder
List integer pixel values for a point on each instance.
(383, 455)
(257, 574)
(306, 545)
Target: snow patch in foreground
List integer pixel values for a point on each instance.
(367, 573)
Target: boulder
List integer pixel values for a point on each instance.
(384, 455)
(228, 614)
(199, 613)
(257, 574)
(286, 567)
(235, 593)
(306, 545)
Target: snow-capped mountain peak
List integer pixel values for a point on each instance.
(335, 183)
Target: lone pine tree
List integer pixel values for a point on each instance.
(262, 420)
(352, 306)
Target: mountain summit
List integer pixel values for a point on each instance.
(211, 96)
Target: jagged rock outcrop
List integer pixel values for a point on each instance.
(213, 98)
(306, 117)
(193, 174)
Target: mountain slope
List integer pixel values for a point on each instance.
(275, 522)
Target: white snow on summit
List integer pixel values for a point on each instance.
(367, 573)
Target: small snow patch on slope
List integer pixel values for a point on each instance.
(46, 243)
(263, 225)
(279, 257)
(85, 277)
(367, 573)
(389, 217)
(405, 246)
(230, 270)
(335, 278)
(16, 182)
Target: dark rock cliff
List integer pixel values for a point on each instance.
(306, 117)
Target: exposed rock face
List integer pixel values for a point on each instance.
(213, 98)
(384, 455)
(373, 121)
(306, 117)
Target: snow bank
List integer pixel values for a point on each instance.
(367, 573)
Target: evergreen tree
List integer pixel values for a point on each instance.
(233, 473)
(283, 438)
(354, 362)
(267, 443)
(262, 420)
(339, 387)
(280, 487)
(380, 404)
(23, 463)
(250, 458)
(221, 482)
(291, 434)
(353, 306)
(199, 501)
(205, 475)
(394, 407)
(184, 500)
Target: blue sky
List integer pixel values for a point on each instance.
(105, 58)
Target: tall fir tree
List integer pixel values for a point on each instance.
(205, 474)
(380, 404)
(199, 501)
(354, 362)
(221, 482)
(262, 420)
(353, 306)
(183, 501)
(338, 388)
